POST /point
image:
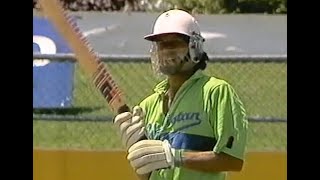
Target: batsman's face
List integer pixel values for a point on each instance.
(169, 52)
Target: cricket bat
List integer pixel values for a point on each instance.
(85, 55)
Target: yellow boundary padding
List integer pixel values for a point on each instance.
(105, 165)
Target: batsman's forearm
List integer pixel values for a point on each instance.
(211, 162)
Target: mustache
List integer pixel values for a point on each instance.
(171, 60)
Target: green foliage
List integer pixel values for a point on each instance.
(263, 6)
(231, 6)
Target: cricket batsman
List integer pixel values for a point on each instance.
(194, 126)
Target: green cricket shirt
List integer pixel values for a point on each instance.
(206, 114)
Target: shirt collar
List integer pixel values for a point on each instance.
(163, 85)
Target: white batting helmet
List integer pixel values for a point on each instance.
(179, 22)
(174, 21)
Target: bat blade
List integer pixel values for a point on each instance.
(85, 55)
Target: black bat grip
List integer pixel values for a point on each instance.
(123, 109)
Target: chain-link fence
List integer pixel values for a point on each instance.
(261, 82)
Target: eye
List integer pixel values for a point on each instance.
(172, 44)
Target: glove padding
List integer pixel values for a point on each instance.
(131, 126)
(146, 156)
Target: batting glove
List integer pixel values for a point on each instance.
(146, 156)
(131, 126)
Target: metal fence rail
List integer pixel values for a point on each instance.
(145, 58)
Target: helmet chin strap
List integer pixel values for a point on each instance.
(187, 58)
(195, 59)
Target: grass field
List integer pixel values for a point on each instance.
(261, 86)
(102, 135)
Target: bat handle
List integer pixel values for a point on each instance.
(123, 109)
